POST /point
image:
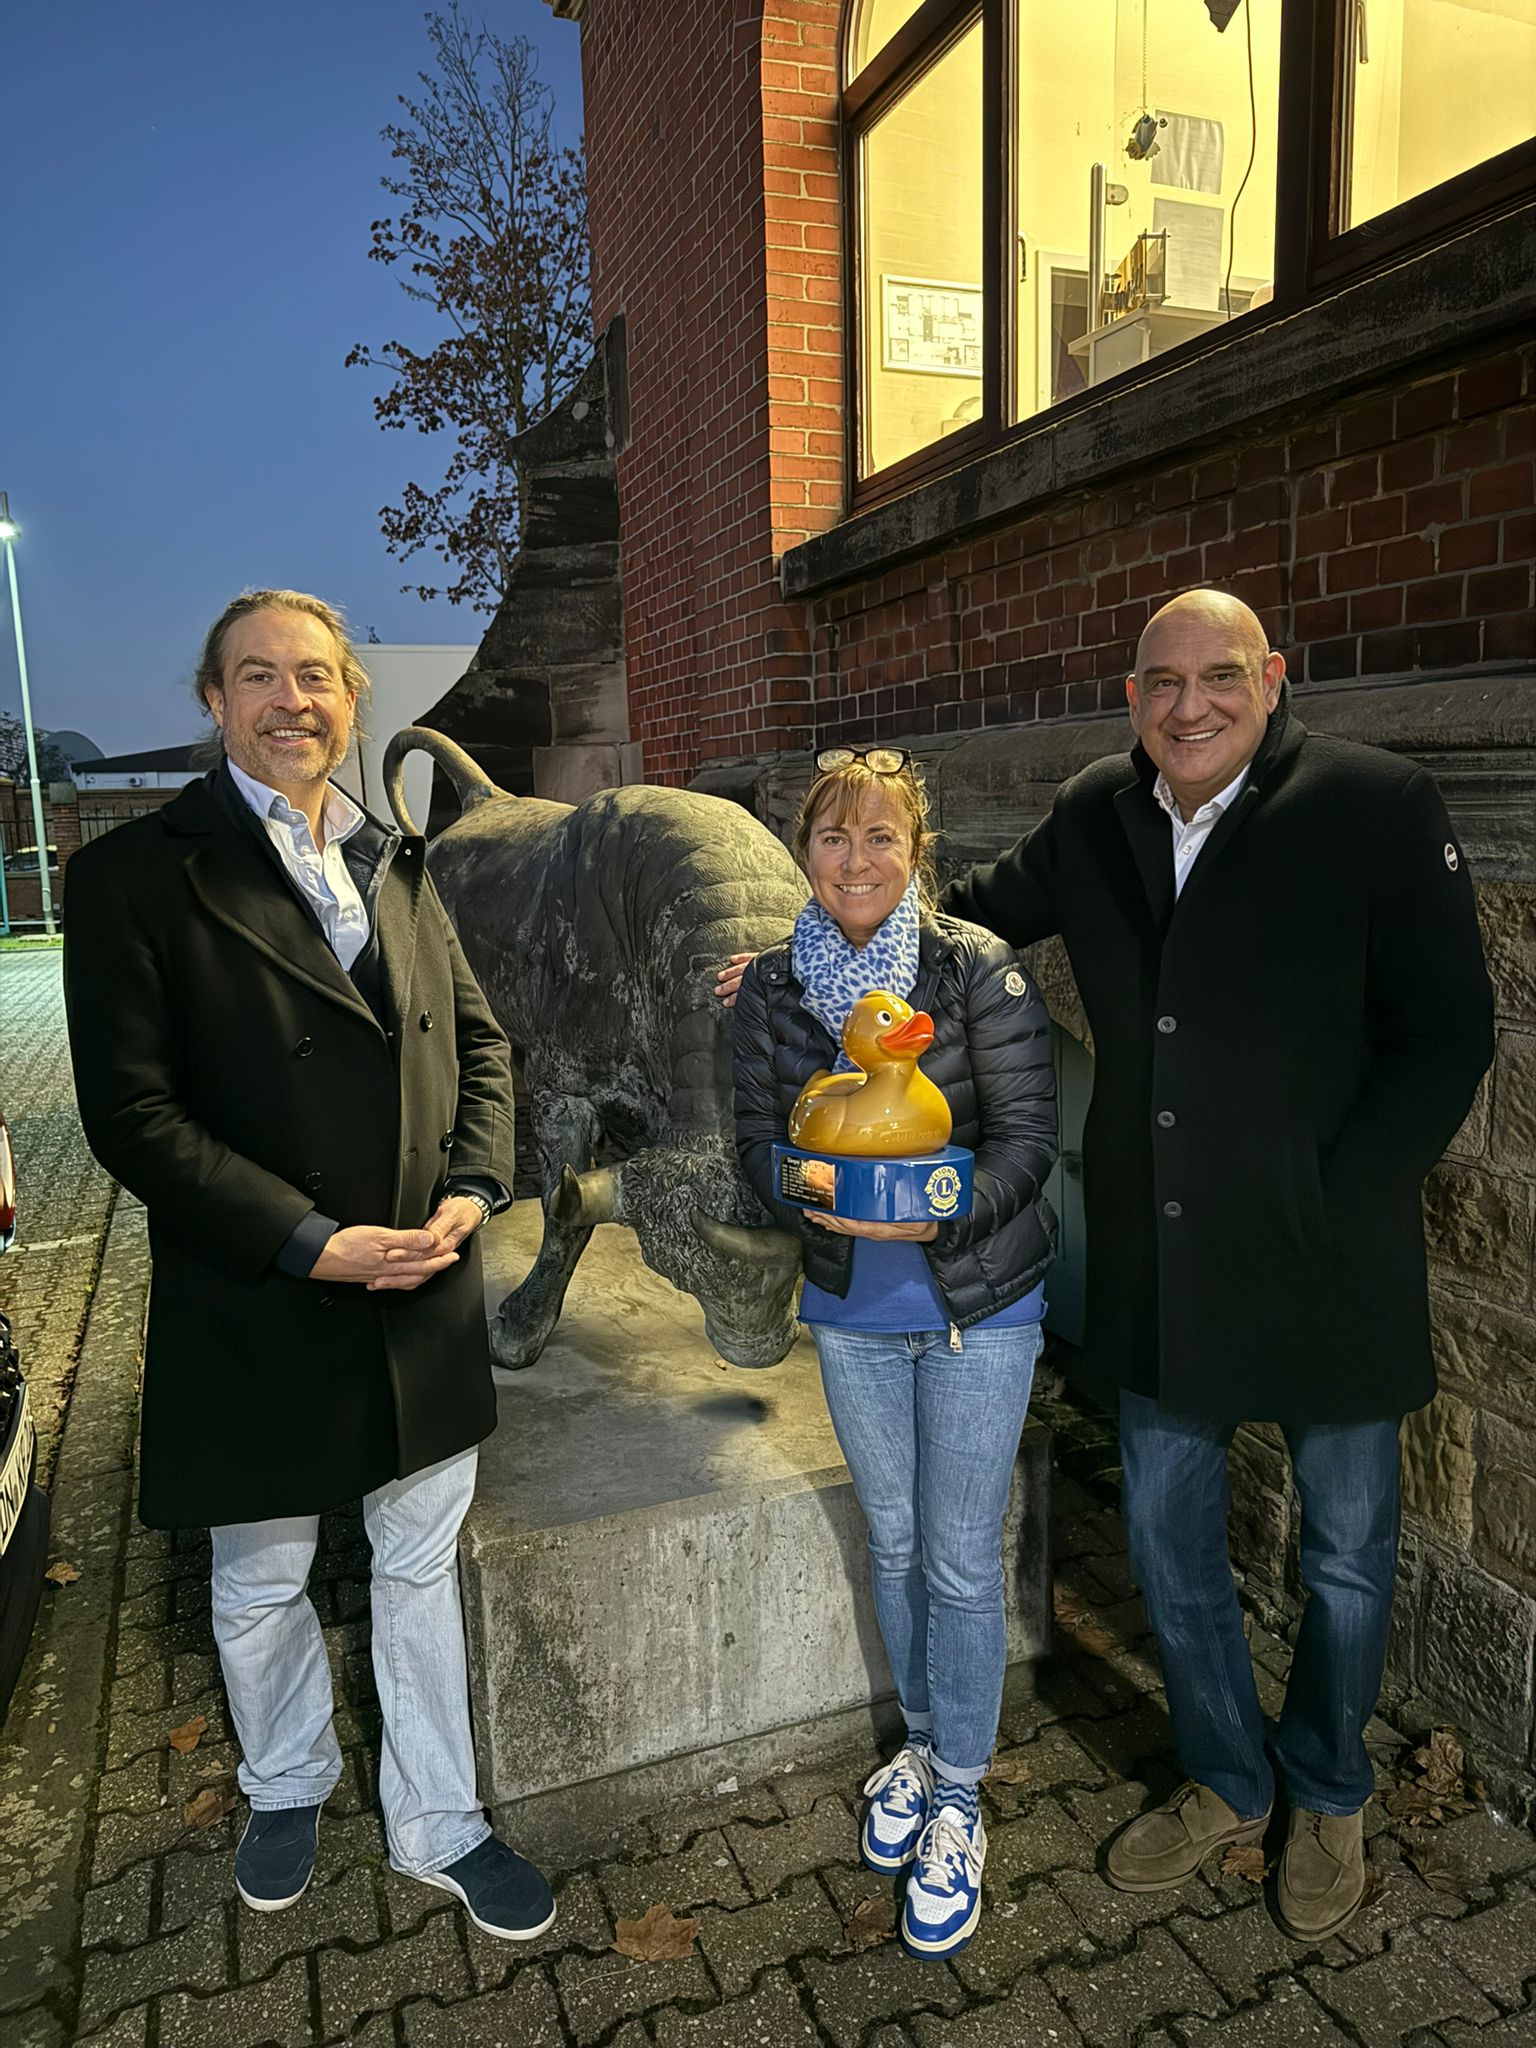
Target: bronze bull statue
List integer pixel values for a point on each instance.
(595, 931)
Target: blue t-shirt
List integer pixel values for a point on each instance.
(892, 1288)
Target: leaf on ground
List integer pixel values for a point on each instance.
(873, 1921)
(1244, 1859)
(657, 1937)
(1070, 1608)
(62, 1574)
(207, 1807)
(1098, 1642)
(186, 1738)
(1432, 1787)
(1427, 1854)
(1008, 1770)
(1081, 1623)
(1441, 1762)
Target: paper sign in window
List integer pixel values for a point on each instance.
(1189, 153)
(1194, 252)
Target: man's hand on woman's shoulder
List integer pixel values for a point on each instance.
(728, 978)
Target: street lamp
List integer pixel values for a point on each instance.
(8, 532)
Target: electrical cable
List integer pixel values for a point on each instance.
(1253, 150)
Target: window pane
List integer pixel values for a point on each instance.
(921, 264)
(1436, 86)
(1187, 228)
(874, 23)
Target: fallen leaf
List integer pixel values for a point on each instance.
(1008, 1770)
(1433, 1787)
(61, 1574)
(1244, 1859)
(1068, 1607)
(1098, 1642)
(873, 1921)
(1427, 1855)
(657, 1937)
(1441, 1762)
(186, 1738)
(207, 1807)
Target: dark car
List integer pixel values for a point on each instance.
(23, 1504)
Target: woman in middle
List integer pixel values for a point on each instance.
(927, 1333)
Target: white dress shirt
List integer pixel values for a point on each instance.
(1188, 839)
(322, 874)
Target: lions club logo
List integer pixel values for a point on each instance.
(942, 1187)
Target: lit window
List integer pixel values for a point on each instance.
(920, 281)
(1146, 156)
(1434, 87)
(1047, 199)
(874, 24)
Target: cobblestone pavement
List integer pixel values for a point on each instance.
(1444, 1957)
(119, 1927)
(47, 1277)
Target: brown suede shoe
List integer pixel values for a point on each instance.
(1161, 1848)
(1322, 1873)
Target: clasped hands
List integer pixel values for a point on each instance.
(377, 1258)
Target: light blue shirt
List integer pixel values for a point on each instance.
(320, 873)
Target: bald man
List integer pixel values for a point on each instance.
(1276, 944)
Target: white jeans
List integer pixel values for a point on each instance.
(279, 1681)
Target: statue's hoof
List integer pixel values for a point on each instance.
(514, 1348)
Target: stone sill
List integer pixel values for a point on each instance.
(1471, 288)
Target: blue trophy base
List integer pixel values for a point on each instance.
(929, 1188)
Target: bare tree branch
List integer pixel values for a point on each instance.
(490, 232)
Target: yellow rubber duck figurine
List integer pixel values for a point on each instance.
(886, 1110)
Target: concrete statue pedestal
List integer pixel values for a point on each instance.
(665, 1575)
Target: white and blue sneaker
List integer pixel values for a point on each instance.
(943, 1902)
(900, 1795)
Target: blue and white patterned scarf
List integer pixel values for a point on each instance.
(834, 974)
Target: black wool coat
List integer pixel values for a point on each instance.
(991, 1061)
(1280, 1058)
(230, 1074)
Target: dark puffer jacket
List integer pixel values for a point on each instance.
(991, 1057)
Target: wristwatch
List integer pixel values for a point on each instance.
(474, 1195)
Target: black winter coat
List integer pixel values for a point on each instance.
(1280, 1058)
(230, 1074)
(991, 1059)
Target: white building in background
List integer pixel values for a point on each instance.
(407, 681)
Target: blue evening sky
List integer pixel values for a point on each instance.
(184, 220)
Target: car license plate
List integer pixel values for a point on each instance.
(17, 1474)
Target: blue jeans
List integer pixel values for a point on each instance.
(1176, 1498)
(931, 1436)
(279, 1682)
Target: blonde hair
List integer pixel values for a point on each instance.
(842, 793)
(210, 666)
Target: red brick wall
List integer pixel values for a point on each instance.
(61, 822)
(1394, 534)
(711, 145)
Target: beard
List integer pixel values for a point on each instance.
(274, 764)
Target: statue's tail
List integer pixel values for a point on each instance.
(470, 781)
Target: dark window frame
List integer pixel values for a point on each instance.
(1314, 256)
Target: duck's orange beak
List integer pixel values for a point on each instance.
(911, 1038)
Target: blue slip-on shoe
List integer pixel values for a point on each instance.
(899, 1797)
(276, 1857)
(501, 1891)
(943, 1902)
